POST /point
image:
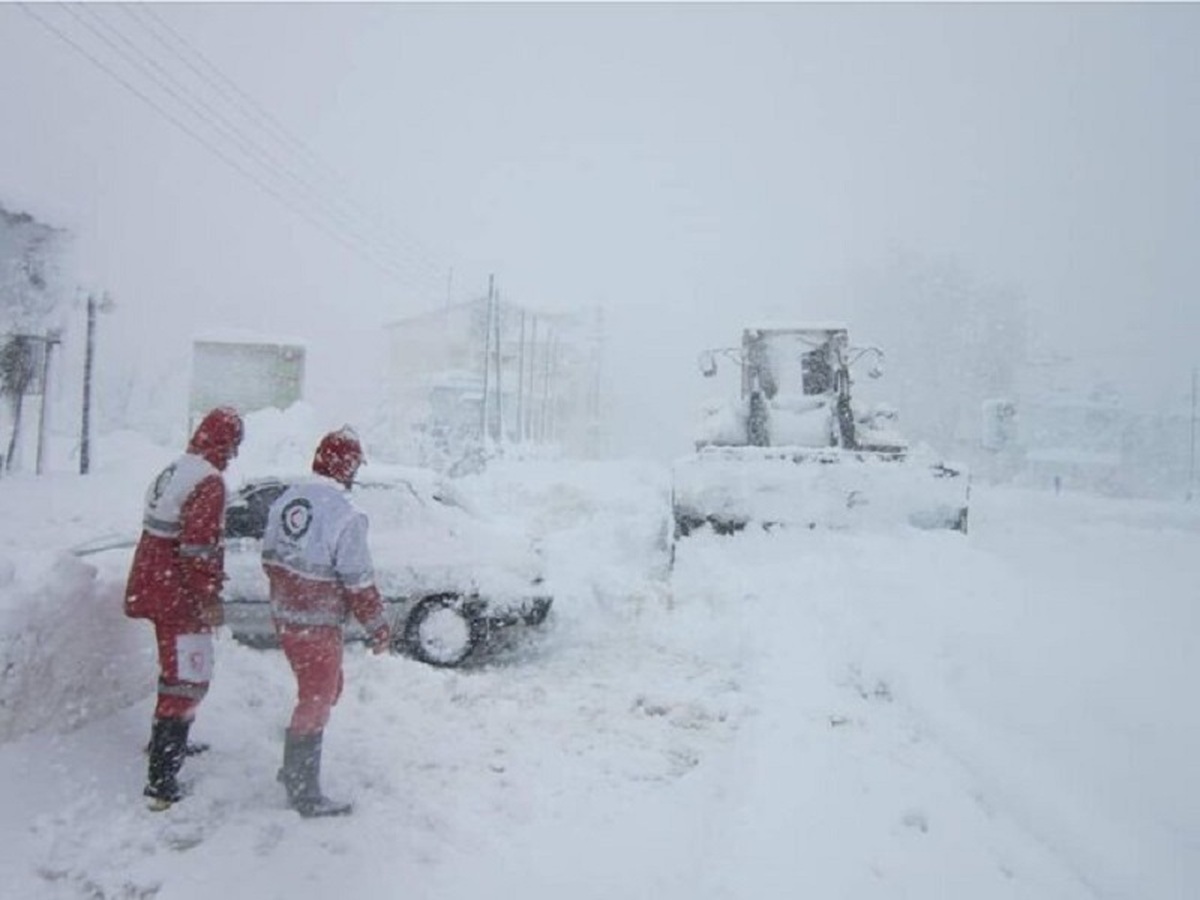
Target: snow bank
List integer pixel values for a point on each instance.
(67, 651)
(863, 714)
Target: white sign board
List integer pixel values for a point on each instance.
(247, 376)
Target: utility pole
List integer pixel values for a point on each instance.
(95, 306)
(499, 391)
(487, 361)
(520, 429)
(48, 341)
(530, 413)
(1191, 492)
(596, 361)
(85, 431)
(550, 351)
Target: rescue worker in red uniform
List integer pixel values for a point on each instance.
(175, 582)
(316, 557)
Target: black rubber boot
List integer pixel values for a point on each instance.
(168, 746)
(301, 776)
(193, 748)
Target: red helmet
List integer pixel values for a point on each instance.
(339, 455)
(217, 436)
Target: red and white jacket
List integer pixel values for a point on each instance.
(178, 566)
(316, 557)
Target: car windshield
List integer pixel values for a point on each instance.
(246, 513)
(393, 501)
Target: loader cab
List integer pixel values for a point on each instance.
(807, 361)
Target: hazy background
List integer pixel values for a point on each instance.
(689, 168)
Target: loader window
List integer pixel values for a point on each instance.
(816, 372)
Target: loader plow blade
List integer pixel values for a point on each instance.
(732, 488)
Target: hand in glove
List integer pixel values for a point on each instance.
(212, 613)
(380, 640)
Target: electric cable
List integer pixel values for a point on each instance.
(254, 112)
(204, 111)
(246, 146)
(178, 122)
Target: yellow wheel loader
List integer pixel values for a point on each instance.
(795, 450)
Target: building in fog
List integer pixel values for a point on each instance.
(1081, 429)
(487, 373)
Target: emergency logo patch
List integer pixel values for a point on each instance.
(297, 517)
(160, 484)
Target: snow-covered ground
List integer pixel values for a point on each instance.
(842, 715)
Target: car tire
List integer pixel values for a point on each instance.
(440, 632)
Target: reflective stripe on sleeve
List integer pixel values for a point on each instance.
(160, 527)
(300, 567)
(199, 551)
(182, 689)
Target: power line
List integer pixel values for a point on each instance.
(208, 72)
(271, 165)
(188, 129)
(355, 247)
(203, 111)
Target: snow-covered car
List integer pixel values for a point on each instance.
(451, 579)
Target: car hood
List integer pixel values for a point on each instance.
(465, 558)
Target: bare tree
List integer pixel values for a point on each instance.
(30, 296)
(18, 369)
(29, 272)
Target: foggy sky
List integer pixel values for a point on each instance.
(688, 167)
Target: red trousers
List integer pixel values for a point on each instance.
(185, 666)
(315, 655)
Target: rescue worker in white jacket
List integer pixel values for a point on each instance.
(316, 557)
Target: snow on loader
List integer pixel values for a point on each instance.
(796, 451)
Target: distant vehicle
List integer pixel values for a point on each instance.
(451, 581)
(794, 449)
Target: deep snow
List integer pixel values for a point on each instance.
(884, 714)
